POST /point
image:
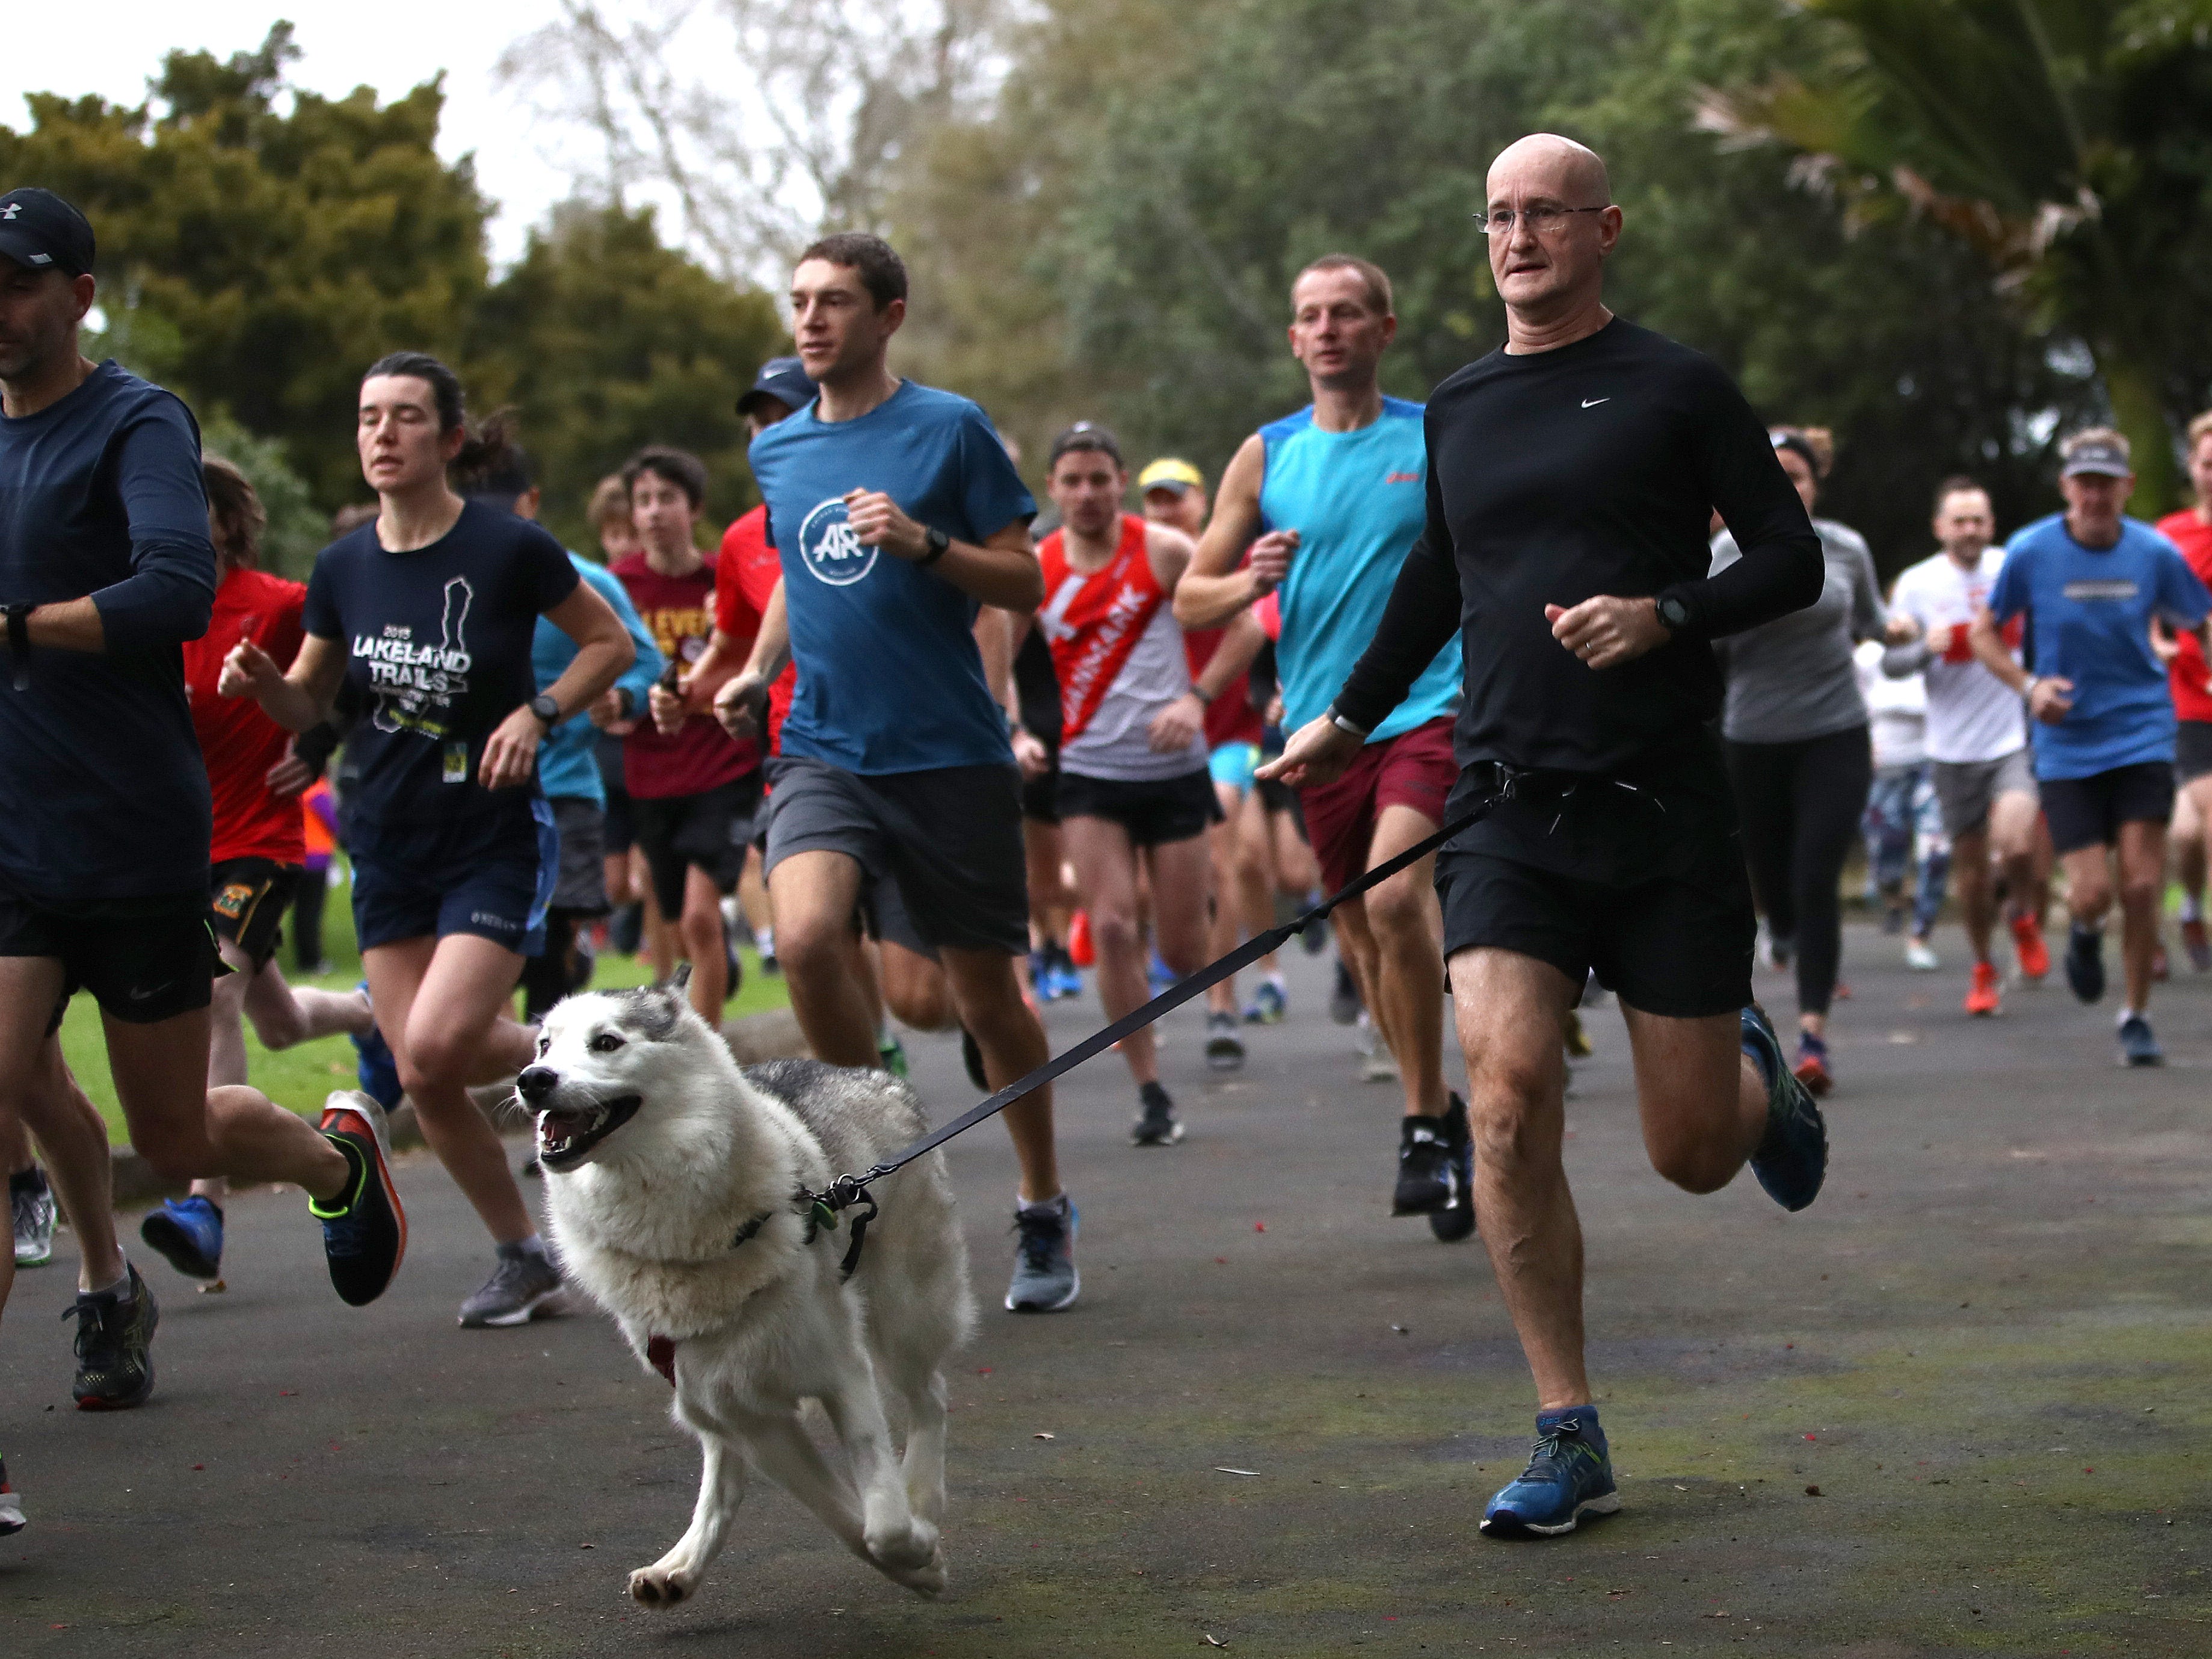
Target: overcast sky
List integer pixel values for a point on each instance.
(111, 49)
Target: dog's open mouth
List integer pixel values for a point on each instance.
(566, 1135)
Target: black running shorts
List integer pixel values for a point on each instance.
(2087, 812)
(950, 838)
(247, 901)
(143, 959)
(1153, 812)
(709, 831)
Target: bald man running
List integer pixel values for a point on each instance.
(1570, 476)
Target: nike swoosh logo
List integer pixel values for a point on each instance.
(141, 996)
(1592, 403)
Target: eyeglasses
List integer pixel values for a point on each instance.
(1540, 220)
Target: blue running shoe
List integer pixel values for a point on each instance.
(1792, 1159)
(1158, 974)
(1066, 982)
(2137, 1046)
(188, 1234)
(378, 1072)
(1569, 1475)
(1270, 1003)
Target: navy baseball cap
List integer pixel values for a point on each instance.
(37, 228)
(2103, 453)
(782, 379)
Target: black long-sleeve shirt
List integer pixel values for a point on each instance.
(103, 794)
(1558, 476)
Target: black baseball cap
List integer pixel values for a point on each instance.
(782, 379)
(1085, 434)
(37, 228)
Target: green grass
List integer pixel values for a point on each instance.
(299, 1077)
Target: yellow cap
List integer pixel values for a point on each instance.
(1169, 473)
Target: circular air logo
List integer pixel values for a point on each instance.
(831, 550)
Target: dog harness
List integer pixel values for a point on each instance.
(660, 1351)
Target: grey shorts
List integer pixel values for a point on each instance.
(950, 840)
(580, 887)
(1966, 789)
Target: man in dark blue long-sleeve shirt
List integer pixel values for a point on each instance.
(106, 568)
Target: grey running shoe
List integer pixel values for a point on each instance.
(1344, 997)
(11, 1507)
(1224, 1046)
(114, 1347)
(1155, 1124)
(1045, 1279)
(1375, 1064)
(31, 1206)
(521, 1287)
(2137, 1046)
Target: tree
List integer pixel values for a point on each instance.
(605, 339)
(262, 261)
(2067, 141)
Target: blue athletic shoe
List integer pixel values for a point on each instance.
(188, 1234)
(1066, 982)
(1158, 974)
(1569, 1475)
(1792, 1159)
(378, 1072)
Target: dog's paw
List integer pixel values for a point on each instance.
(929, 1580)
(657, 1586)
(912, 1544)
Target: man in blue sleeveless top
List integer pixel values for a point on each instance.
(1336, 494)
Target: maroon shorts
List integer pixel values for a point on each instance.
(1413, 769)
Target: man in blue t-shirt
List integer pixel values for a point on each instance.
(2099, 590)
(896, 514)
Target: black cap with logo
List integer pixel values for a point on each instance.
(37, 228)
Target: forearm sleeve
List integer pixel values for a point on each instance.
(1903, 662)
(1780, 569)
(168, 597)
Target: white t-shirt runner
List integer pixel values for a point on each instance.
(1972, 716)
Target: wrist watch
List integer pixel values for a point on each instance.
(938, 543)
(547, 711)
(1344, 725)
(1673, 614)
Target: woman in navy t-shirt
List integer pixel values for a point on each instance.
(429, 610)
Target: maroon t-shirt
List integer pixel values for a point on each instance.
(678, 611)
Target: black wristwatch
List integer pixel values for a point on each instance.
(1673, 613)
(937, 542)
(547, 711)
(19, 642)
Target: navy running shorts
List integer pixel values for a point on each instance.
(491, 876)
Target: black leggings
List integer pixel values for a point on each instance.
(1801, 804)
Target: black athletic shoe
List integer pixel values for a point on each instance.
(114, 1347)
(1425, 1168)
(2085, 962)
(1155, 1124)
(1455, 1221)
(1344, 997)
(971, 1056)
(364, 1230)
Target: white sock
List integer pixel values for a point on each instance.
(2127, 1014)
(1056, 1204)
(120, 1290)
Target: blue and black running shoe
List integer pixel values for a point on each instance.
(378, 1071)
(2085, 962)
(188, 1233)
(1792, 1159)
(364, 1227)
(1569, 1475)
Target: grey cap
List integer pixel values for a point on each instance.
(2103, 456)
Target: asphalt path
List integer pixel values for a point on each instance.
(1960, 1405)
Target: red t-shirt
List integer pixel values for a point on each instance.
(238, 742)
(1230, 718)
(2188, 676)
(678, 611)
(755, 567)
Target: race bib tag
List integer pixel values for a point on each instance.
(456, 763)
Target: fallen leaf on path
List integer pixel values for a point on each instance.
(1210, 1643)
(1041, 1435)
(1223, 1469)
(1812, 1492)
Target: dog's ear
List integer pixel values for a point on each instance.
(681, 977)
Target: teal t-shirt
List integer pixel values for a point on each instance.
(889, 680)
(1358, 501)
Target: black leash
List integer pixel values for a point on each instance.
(848, 1190)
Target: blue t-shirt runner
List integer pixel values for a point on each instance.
(896, 752)
(2090, 612)
(889, 680)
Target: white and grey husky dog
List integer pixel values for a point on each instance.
(672, 1178)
